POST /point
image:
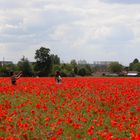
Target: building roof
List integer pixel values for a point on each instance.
(5, 63)
(132, 73)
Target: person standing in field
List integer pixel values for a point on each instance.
(58, 78)
(14, 77)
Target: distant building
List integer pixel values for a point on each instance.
(102, 63)
(82, 62)
(5, 63)
(101, 66)
(132, 73)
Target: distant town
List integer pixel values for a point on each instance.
(46, 64)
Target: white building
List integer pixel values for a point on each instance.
(102, 63)
(132, 73)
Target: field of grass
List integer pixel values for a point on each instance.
(77, 109)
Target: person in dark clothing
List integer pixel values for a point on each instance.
(14, 77)
(58, 78)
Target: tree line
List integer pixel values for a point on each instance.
(46, 64)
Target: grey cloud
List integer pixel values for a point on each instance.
(16, 4)
(49, 20)
(13, 20)
(121, 34)
(117, 35)
(122, 1)
(65, 27)
(8, 4)
(34, 28)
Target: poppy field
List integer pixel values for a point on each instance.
(77, 109)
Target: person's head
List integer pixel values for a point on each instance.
(57, 72)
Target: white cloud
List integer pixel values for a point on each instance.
(122, 1)
(91, 28)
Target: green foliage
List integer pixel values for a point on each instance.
(131, 66)
(42, 55)
(76, 70)
(135, 65)
(6, 69)
(43, 63)
(82, 72)
(115, 67)
(25, 66)
(84, 69)
(72, 69)
(55, 67)
(88, 69)
(46, 64)
(67, 70)
(73, 63)
(55, 59)
(135, 61)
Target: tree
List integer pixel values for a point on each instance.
(135, 61)
(75, 70)
(43, 63)
(75, 67)
(25, 66)
(5, 70)
(132, 65)
(55, 67)
(88, 69)
(115, 67)
(67, 70)
(55, 60)
(136, 67)
(82, 72)
(73, 62)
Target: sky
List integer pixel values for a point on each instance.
(91, 30)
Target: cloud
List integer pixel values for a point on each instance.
(91, 28)
(122, 1)
(120, 34)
